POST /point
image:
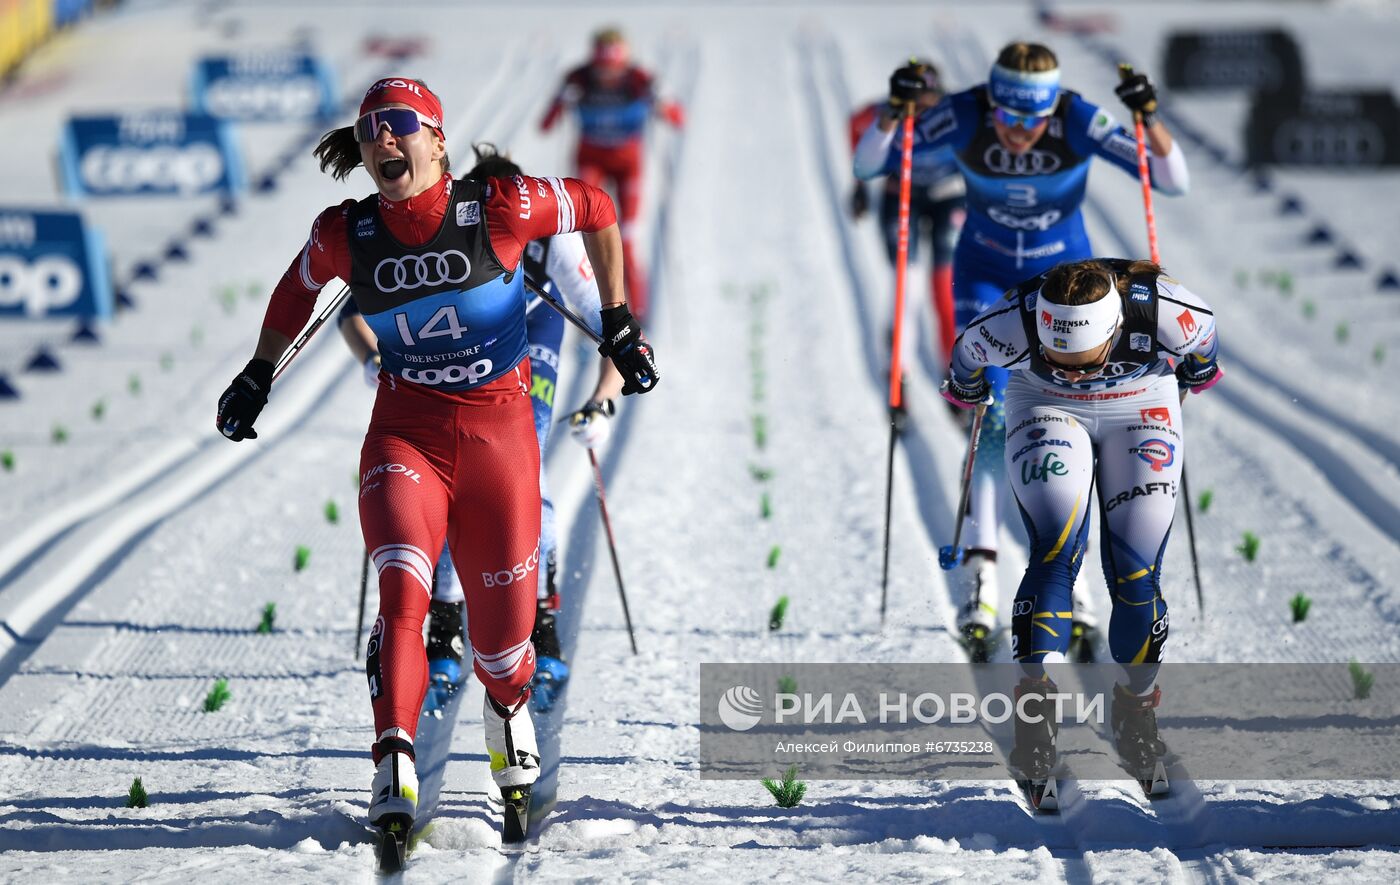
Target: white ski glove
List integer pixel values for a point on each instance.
(590, 426)
(372, 371)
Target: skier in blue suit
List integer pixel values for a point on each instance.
(1023, 145)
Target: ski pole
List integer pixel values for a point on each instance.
(896, 398)
(1145, 176)
(1125, 71)
(565, 312)
(612, 545)
(301, 342)
(1191, 532)
(951, 557)
(360, 622)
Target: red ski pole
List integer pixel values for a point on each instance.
(1145, 176)
(906, 165)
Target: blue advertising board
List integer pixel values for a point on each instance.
(263, 86)
(161, 153)
(52, 264)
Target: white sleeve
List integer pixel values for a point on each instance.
(568, 266)
(996, 337)
(872, 151)
(1185, 323)
(1169, 173)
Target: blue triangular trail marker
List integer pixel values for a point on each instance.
(42, 361)
(1319, 235)
(1348, 259)
(1388, 280)
(7, 390)
(86, 333)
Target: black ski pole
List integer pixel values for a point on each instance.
(364, 585)
(565, 312)
(612, 545)
(301, 342)
(952, 556)
(1191, 539)
(1191, 532)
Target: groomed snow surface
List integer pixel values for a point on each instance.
(135, 558)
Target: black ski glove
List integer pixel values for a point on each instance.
(860, 201)
(907, 84)
(965, 396)
(1138, 93)
(243, 401)
(624, 344)
(1197, 376)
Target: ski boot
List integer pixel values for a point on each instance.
(1033, 756)
(1135, 732)
(393, 797)
(445, 648)
(515, 763)
(1084, 628)
(977, 619)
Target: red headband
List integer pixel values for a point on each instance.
(401, 90)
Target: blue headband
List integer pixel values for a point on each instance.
(1024, 92)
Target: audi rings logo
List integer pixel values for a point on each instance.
(417, 271)
(1001, 161)
(740, 708)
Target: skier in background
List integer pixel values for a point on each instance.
(614, 100)
(450, 452)
(560, 266)
(1094, 403)
(937, 203)
(1023, 145)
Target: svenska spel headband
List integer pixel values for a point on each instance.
(1065, 328)
(401, 121)
(1032, 93)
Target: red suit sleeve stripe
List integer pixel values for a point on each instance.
(523, 209)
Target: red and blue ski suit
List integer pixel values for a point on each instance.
(613, 111)
(450, 453)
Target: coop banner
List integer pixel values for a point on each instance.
(960, 721)
(150, 154)
(263, 86)
(52, 264)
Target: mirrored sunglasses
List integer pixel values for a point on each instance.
(1086, 370)
(401, 121)
(1012, 119)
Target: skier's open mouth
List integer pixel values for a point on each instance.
(392, 168)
